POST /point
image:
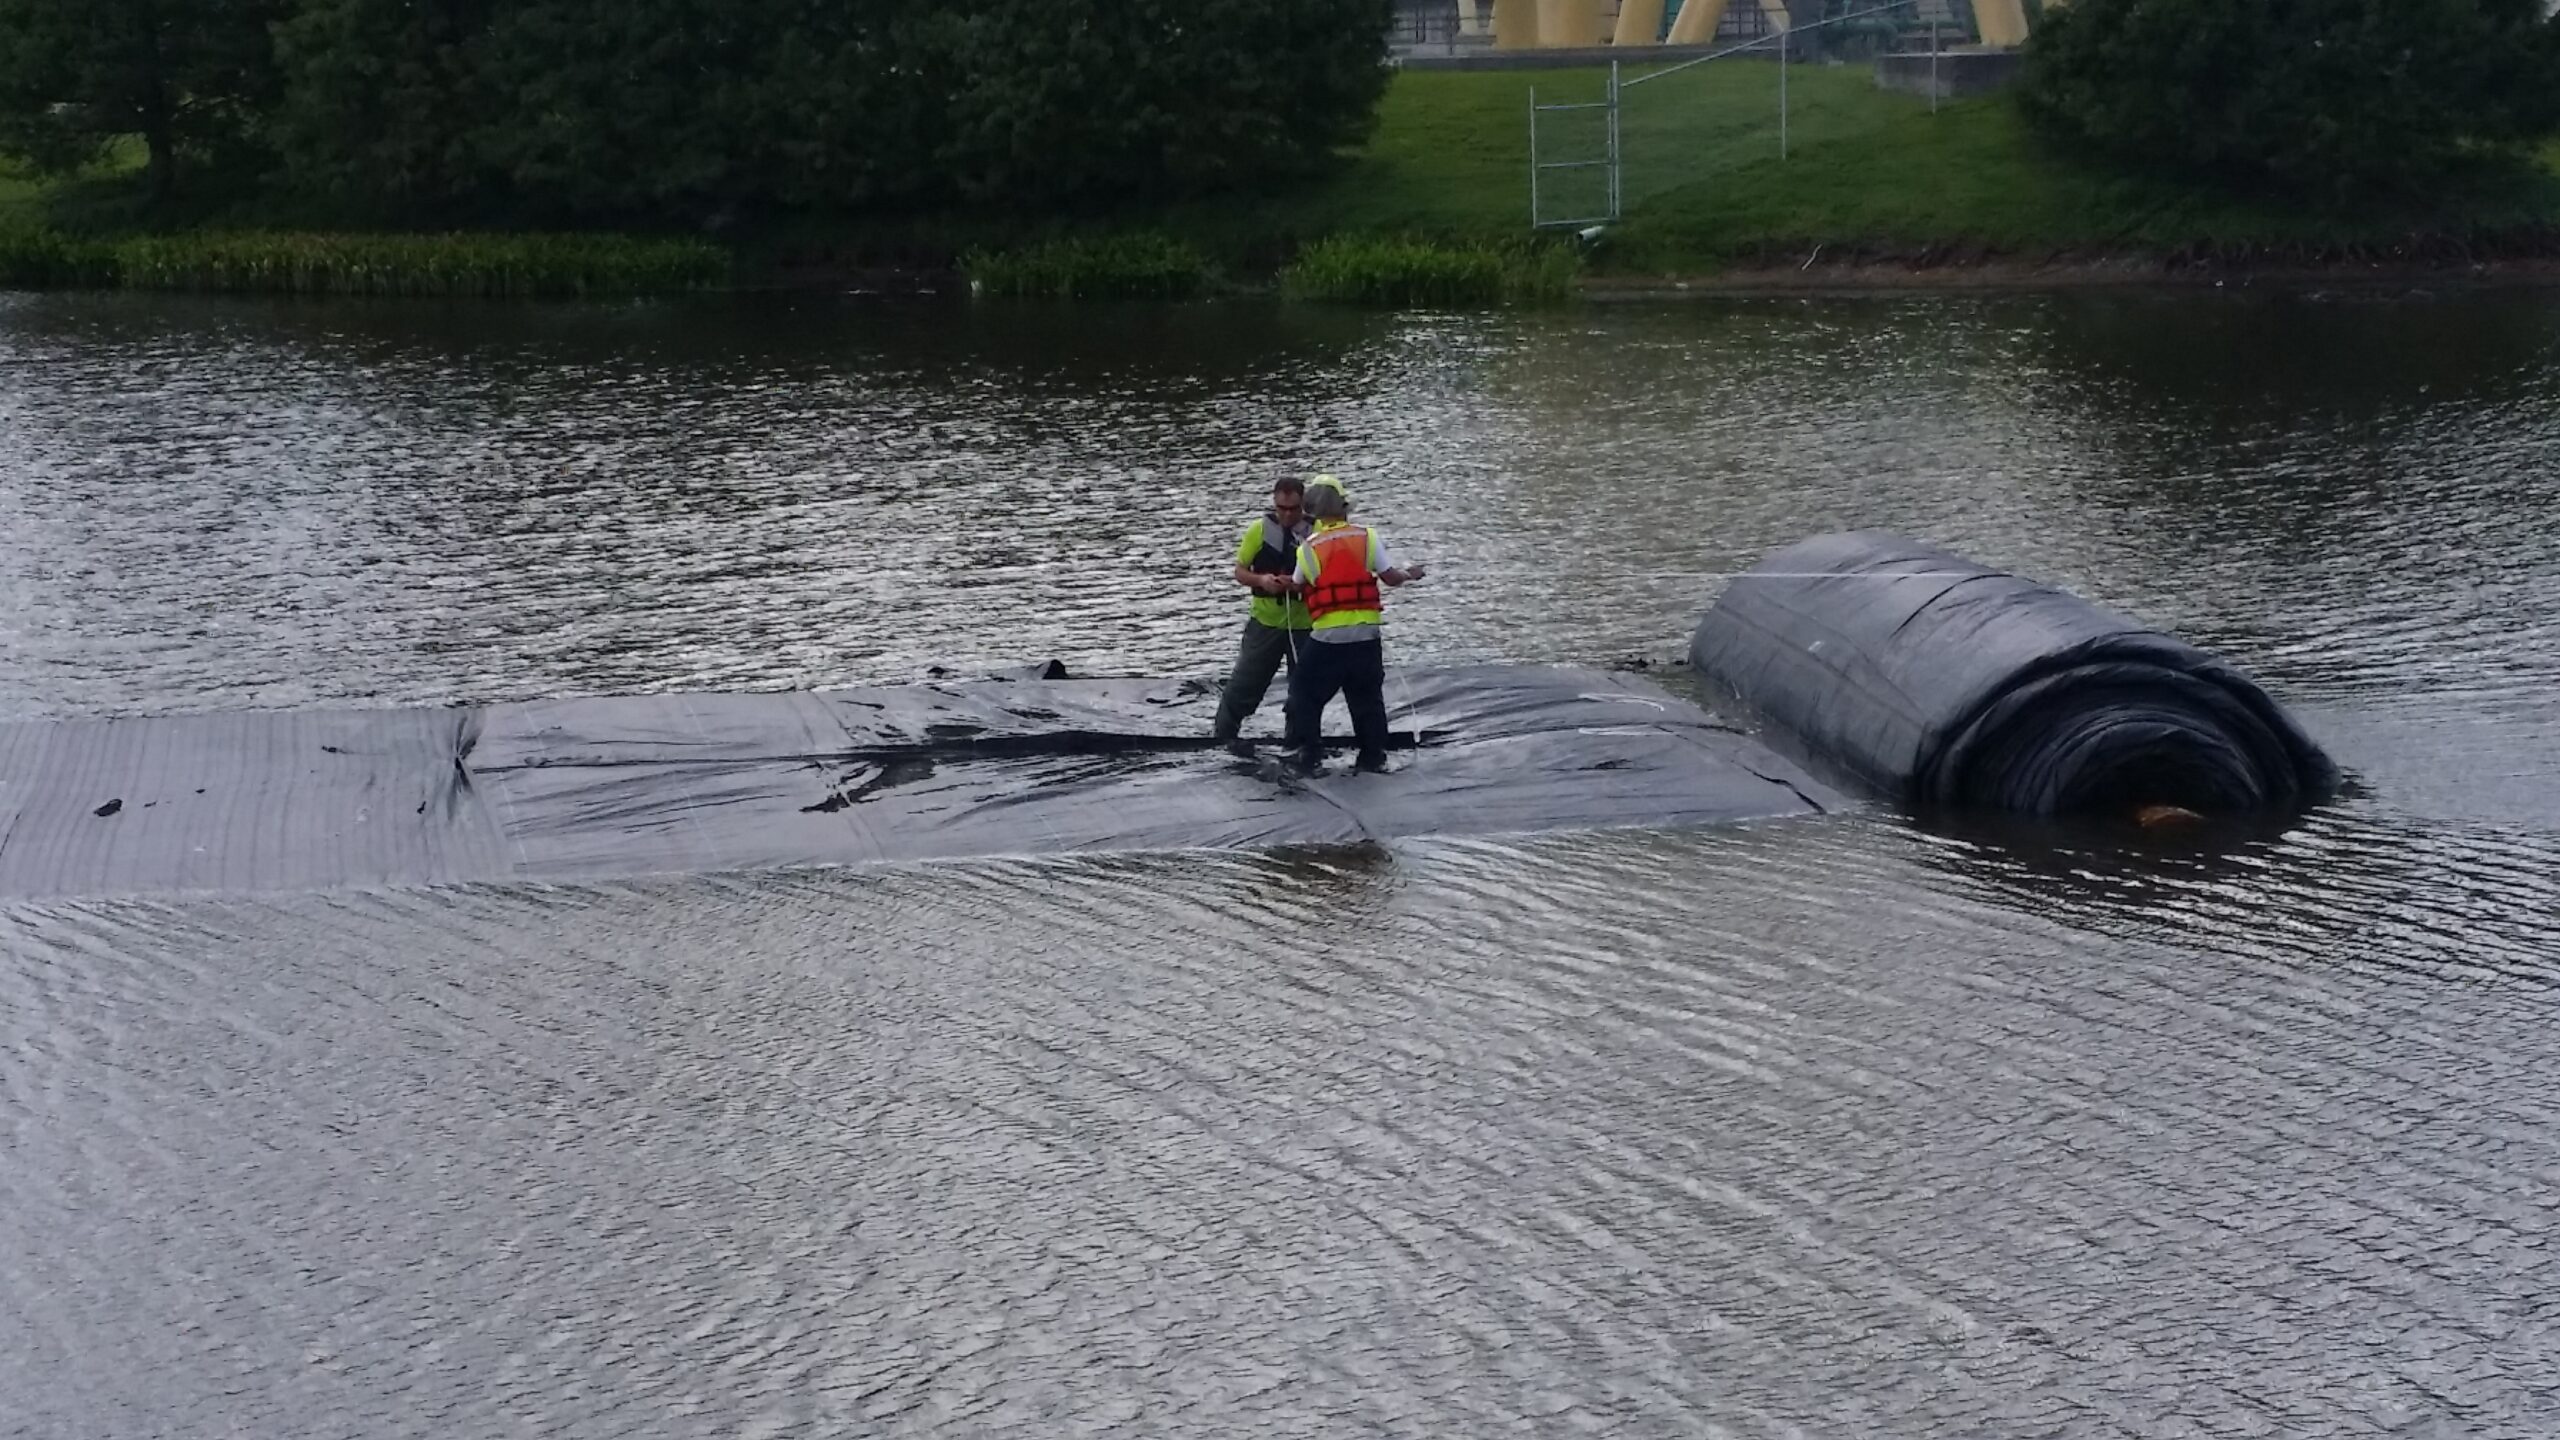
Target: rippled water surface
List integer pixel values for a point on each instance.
(1817, 1129)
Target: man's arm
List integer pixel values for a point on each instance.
(1389, 570)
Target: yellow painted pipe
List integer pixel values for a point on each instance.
(1639, 23)
(1698, 21)
(1515, 24)
(1563, 23)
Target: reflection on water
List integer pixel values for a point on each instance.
(1818, 1128)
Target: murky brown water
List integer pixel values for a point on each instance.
(1839, 1128)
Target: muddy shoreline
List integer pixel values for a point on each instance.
(1855, 275)
(1848, 271)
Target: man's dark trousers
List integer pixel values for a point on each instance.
(1355, 669)
(1265, 650)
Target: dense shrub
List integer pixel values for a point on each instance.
(358, 264)
(1118, 267)
(437, 265)
(1393, 270)
(32, 257)
(2336, 100)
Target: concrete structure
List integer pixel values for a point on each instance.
(2003, 23)
(1639, 22)
(1439, 28)
(1568, 22)
(1446, 27)
(1951, 73)
(1456, 29)
(1486, 57)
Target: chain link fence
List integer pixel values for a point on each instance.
(1776, 81)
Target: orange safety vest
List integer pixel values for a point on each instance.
(1343, 578)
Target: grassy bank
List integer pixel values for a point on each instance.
(1866, 174)
(1434, 208)
(1705, 187)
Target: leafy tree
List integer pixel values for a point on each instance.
(586, 110)
(192, 78)
(1060, 101)
(2337, 100)
(704, 108)
(379, 96)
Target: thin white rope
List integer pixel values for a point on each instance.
(1411, 718)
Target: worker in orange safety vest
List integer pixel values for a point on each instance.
(1340, 569)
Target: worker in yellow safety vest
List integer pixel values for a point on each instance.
(1266, 556)
(1340, 568)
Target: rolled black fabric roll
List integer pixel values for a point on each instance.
(1941, 683)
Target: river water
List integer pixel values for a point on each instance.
(1830, 1128)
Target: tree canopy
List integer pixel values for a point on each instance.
(2334, 100)
(190, 78)
(569, 111)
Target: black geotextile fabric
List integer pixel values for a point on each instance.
(653, 784)
(1940, 683)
